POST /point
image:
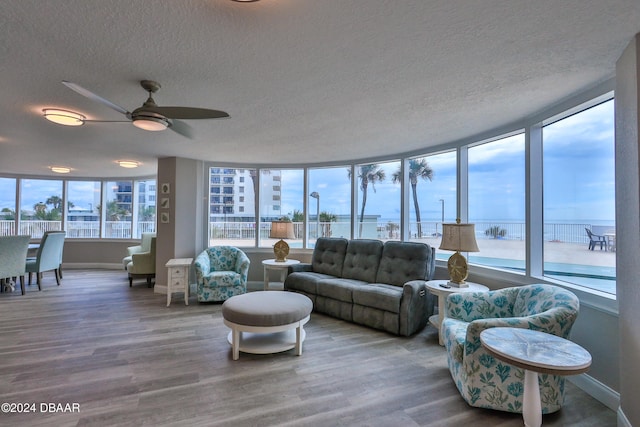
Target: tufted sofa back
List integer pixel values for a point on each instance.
(328, 255)
(362, 260)
(405, 261)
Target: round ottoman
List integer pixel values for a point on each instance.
(263, 322)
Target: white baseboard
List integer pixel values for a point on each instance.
(623, 421)
(599, 391)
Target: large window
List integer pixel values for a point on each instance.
(329, 203)
(8, 216)
(281, 198)
(579, 198)
(232, 207)
(432, 196)
(497, 202)
(378, 201)
(145, 218)
(83, 209)
(40, 207)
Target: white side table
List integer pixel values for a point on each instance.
(437, 287)
(535, 351)
(178, 278)
(282, 267)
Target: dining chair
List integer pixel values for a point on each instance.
(49, 257)
(13, 255)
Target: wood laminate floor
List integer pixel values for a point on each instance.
(125, 359)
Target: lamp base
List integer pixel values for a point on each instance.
(457, 285)
(458, 270)
(281, 250)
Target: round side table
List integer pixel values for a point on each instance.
(535, 351)
(282, 267)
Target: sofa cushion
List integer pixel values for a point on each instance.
(404, 261)
(378, 295)
(328, 256)
(362, 260)
(306, 282)
(339, 289)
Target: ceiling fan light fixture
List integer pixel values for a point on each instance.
(60, 169)
(129, 164)
(63, 117)
(153, 124)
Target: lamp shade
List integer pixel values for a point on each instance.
(459, 237)
(282, 230)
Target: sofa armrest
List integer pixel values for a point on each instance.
(414, 307)
(302, 267)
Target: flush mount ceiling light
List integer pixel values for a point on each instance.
(128, 164)
(63, 117)
(60, 169)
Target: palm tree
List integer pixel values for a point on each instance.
(368, 174)
(418, 168)
(326, 219)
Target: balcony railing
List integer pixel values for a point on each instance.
(77, 229)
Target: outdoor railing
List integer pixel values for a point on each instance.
(553, 232)
(76, 229)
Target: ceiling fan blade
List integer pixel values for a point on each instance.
(87, 93)
(181, 128)
(187, 113)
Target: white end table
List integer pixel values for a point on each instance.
(282, 267)
(535, 351)
(438, 288)
(178, 278)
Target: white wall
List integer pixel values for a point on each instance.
(628, 220)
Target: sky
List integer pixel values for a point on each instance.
(578, 180)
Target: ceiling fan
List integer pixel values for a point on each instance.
(150, 116)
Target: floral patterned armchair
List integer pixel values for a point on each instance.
(484, 381)
(221, 272)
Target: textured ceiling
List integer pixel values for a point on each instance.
(303, 80)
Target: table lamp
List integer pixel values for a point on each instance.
(460, 238)
(281, 230)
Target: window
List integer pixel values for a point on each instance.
(228, 225)
(497, 202)
(41, 206)
(434, 178)
(117, 216)
(146, 210)
(7, 206)
(378, 201)
(329, 203)
(283, 200)
(579, 195)
(83, 209)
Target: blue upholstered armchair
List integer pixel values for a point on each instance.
(484, 381)
(221, 272)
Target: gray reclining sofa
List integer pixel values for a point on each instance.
(380, 285)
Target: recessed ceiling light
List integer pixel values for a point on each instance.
(60, 169)
(63, 117)
(128, 163)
